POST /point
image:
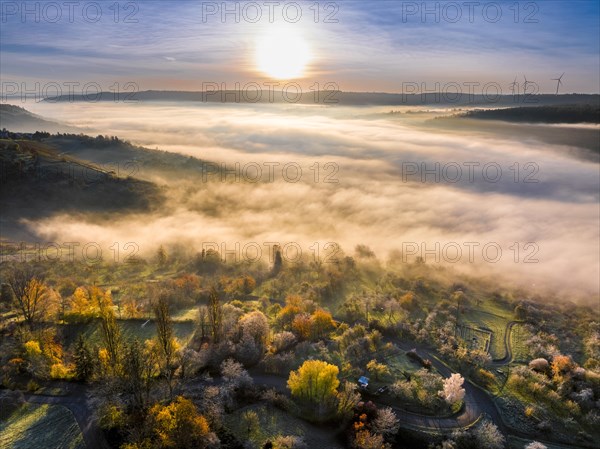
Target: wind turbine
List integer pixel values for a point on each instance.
(513, 84)
(559, 81)
(525, 84)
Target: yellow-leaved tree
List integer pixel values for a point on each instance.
(315, 381)
(180, 425)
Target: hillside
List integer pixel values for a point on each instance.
(127, 159)
(38, 180)
(570, 113)
(18, 119)
(335, 97)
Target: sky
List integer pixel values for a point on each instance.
(357, 45)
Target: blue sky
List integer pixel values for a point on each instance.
(374, 46)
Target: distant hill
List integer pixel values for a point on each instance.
(38, 180)
(336, 98)
(126, 159)
(570, 113)
(18, 119)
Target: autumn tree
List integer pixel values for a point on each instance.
(215, 314)
(321, 323)
(560, 365)
(179, 425)
(301, 326)
(407, 301)
(315, 381)
(85, 302)
(286, 316)
(363, 439)
(248, 284)
(30, 292)
(377, 369)
(111, 335)
(189, 285)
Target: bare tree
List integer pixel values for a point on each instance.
(386, 423)
(347, 400)
(202, 320)
(30, 293)
(111, 335)
(166, 341)
(215, 314)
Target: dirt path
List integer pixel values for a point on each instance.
(76, 401)
(508, 355)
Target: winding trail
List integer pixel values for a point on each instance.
(508, 354)
(76, 401)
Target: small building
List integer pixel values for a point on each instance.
(363, 382)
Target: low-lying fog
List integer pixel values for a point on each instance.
(531, 200)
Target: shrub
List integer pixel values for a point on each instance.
(541, 365)
(485, 377)
(58, 371)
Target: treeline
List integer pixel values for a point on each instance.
(576, 113)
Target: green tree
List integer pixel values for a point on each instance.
(278, 260)
(84, 359)
(251, 422)
(161, 256)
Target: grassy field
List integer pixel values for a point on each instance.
(41, 426)
(131, 329)
(496, 324)
(475, 338)
(399, 363)
(518, 337)
(274, 422)
(190, 314)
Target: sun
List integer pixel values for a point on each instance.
(282, 53)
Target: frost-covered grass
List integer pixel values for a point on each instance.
(41, 426)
